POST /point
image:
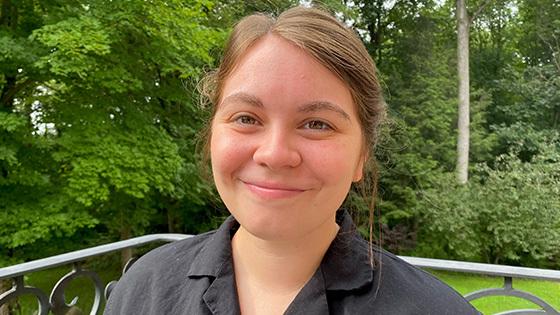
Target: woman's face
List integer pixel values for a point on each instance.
(286, 143)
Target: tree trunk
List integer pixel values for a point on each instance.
(126, 254)
(8, 14)
(7, 93)
(463, 74)
(170, 221)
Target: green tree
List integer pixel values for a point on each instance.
(95, 108)
(539, 33)
(506, 214)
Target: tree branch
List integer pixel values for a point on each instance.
(555, 51)
(479, 10)
(10, 90)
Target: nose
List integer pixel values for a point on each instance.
(277, 150)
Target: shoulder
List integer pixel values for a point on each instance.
(172, 257)
(393, 286)
(415, 289)
(156, 276)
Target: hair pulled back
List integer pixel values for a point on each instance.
(330, 42)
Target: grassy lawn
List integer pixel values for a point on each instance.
(466, 283)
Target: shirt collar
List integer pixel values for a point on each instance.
(345, 266)
(216, 252)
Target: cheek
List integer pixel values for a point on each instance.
(226, 154)
(334, 161)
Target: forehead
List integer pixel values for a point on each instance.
(275, 69)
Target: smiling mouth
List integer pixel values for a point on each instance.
(272, 191)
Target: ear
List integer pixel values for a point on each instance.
(359, 171)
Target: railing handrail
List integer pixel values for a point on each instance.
(438, 264)
(57, 304)
(484, 269)
(82, 254)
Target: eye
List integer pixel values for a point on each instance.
(245, 120)
(317, 125)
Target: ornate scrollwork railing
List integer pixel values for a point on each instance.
(56, 303)
(507, 272)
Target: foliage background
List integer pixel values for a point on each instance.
(99, 124)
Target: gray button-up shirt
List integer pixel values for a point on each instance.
(195, 276)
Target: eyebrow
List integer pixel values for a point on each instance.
(323, 105)
(311, 107)
(244, 98)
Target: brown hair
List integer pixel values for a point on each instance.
(330, 42)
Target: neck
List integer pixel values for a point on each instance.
(280, 266)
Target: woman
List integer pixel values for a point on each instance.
(296, 105)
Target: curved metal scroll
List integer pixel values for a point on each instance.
(58, 302)
(508, 290)
(20, 289)
(111, 285)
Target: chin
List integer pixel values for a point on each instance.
(267, 226)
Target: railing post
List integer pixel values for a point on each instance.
(508, 283)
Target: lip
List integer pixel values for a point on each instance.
(272, 190)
